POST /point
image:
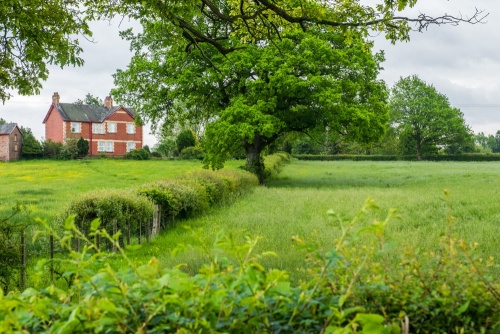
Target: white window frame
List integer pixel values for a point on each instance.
(76, 127)
(130, 128)
(112, 127)
(110, 146)
(130, 146)
(98, 128)
(101, 146)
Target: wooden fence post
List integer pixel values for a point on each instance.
(115, 230)
(51, 245)
(23, 260)
(139, 239)
(148, 230)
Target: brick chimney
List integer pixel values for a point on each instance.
(108, 102)
(55, 99)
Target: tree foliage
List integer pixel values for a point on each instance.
(31, 147)
(34, 34)
(90, 100)
(250, 97)
(252, 20)
(424, 116)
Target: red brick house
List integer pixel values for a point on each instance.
(109, 129)
(11, 140)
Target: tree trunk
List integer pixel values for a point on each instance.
(419, 150)
(255, 163)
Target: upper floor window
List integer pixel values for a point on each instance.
(98, 128)
(76, 127)
(111, 127)
(15, 136)
(130, 128)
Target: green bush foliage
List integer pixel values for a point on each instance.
(139, 154)
(274, 163)
(124, 206)
(191, 153)
(349, 290)
(177, 197)
(186, 138)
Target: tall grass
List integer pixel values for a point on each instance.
(297, 201)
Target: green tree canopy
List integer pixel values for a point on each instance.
(36, 33)
(252, 96)
(31, 147)
(425, 116)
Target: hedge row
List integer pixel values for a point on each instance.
(274, 162)
(435, 157)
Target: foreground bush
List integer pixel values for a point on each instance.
(349, 291)
(274, 163)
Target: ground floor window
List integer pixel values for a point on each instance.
(105, 146)
(130, 146)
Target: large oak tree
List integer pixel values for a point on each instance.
(250, 97)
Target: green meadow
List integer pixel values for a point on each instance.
(295, 203)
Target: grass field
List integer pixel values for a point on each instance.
(295, 203)
(47, 185)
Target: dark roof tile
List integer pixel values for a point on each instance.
(6, 129)
(86, 113)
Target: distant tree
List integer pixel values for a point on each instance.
(423, 114)
(31, 147)
(2, 121)
(185, 138)
(83, 147)
(166, 147)
(90, 100)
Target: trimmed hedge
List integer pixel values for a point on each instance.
(274, 163)
(435, 157)
(108, 205)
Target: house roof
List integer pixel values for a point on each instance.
(6, 129)
(87, 113)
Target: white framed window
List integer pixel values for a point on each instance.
(110, 146)
(101, 146)
(111, 127)
(76, 127)
(130, 128)
(130, 146)
(98, 128)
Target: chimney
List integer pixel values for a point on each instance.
(55, 99)
(108, 102)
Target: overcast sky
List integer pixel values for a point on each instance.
(461, 62)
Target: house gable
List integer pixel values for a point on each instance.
(11, 139)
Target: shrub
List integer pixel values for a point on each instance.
(124, 206)
(436, 157)
(192, 153)
(51, 149)
(139, 154)
(83, 147)
(177, 197)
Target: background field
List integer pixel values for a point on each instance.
(295, 203)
